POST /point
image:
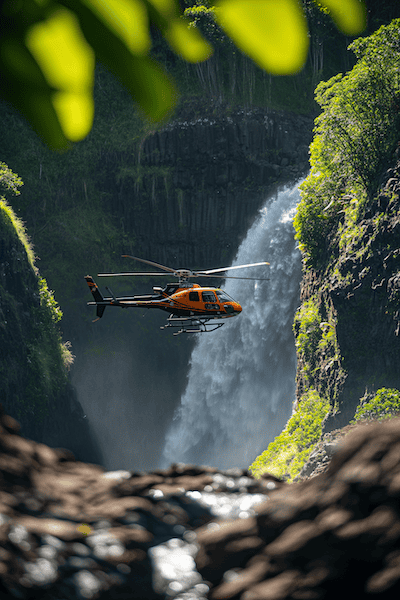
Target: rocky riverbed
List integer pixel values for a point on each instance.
(72, 530)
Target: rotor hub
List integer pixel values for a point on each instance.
(183, 274)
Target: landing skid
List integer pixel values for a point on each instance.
(191, 325)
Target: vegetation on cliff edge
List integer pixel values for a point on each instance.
(385, 404)
(287, 454)
(355, 138)
(34, 361)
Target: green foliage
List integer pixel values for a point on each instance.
(356, 130)
(307, 329)
(17, 224)
(48, 301)
(10, 182)
(318, 353)
(287, 454)
(54, 89)
(355, 136)
(49, 49)
(385, 404)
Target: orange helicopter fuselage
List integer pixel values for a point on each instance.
(185, 301)
(199, 301)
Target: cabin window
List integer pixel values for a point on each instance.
(208, 296)
(194, 296)
(223, 296)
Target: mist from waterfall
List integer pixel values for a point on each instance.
(241, 383)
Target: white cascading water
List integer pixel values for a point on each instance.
(241, 383)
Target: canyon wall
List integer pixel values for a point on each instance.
(357, 299)
(194, 187)
(34, 381)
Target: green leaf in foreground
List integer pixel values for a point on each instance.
(48, 49)
(273, 34)
(348, 15)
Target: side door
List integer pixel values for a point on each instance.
(210, 301)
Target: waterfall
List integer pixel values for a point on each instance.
(241, 382)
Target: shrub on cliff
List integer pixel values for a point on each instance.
(355, 136)
(289, 451)
(385, 404)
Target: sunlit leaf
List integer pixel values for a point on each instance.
(61, 51)
(188, 43)
(349, 15)
(67, 62)
(273, 34)
(128, 19)
(147, 82)
(75, 112)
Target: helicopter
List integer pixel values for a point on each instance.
(192, 308)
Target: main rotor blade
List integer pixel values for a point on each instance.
(149, 262)
(134, 274)
(232, 277)
(231, 268)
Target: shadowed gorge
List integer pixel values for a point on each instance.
(184, 196)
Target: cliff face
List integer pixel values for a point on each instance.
(347, 224)
(356, 324)
(194, 187)
(34, 383)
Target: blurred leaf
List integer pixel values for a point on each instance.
(128, 20)
(149, 86)
(67, 63)
(75, 113)
(24, 85)
(48, 48)
(273, 34)
(186, 41)
(147, 82)
(349, 15)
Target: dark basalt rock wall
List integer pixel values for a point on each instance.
(362, 294)
(195, 186)
(33, 383)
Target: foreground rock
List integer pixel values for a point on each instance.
(319, 538)
(70, 530)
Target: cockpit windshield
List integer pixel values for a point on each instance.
(223, 296)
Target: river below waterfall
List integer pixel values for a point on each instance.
(241, 382)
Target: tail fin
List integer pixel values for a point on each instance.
(100, 308)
